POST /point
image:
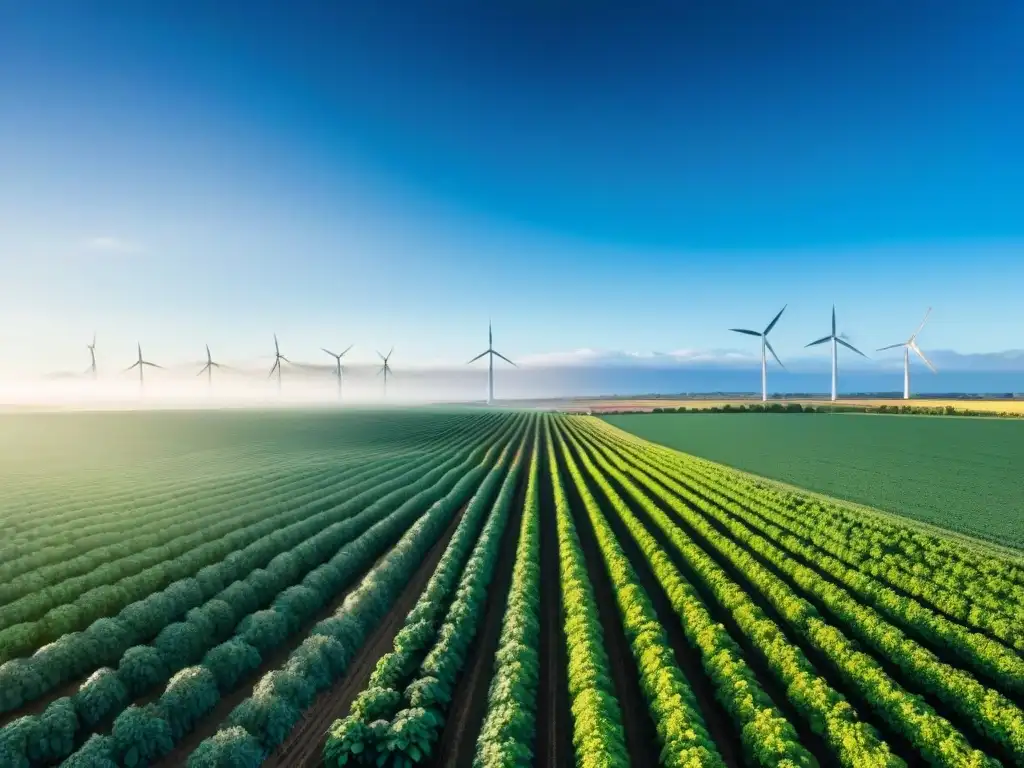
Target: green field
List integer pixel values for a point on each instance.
(962, 474)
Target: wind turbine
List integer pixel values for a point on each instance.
(765, 344)
(385, 369)
(278, 357)
(491, 352)
(911, 344)
(92, 355)
(208, 368)
(141, 364)
(835, 350)
(338, 359)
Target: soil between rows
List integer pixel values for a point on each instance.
(304, 745)
(554, 718)
(212, 721)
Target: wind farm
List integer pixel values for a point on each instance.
(620, 535)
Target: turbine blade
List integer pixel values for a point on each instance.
(203, 370)
(891, 346)
(773, 322)
(851, 347)
(505, 358)
(922, 324)
(346, 350)
(282, 357)
(390, 351)
(133, 365)
(769, 345)
(822, 340)
(744, 330)
(923, 358)
(833, 319)
(379, 372)
(478, 356)
(273, 368)
(380, 355)
(325, 349)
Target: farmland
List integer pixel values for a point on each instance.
(961, 474)
(468, 587)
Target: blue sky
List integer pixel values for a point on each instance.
(590, 175)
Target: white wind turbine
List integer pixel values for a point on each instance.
(338, 359)
(278, 357)
(385, 369)
(835, 350)
(765, 345)
(492, 353)
(911, 344)
(208, 368)
(141, 365)
(92, 355)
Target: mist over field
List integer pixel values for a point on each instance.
(315, 385)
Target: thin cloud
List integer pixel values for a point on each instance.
(110, 244)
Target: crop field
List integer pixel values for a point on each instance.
(961, 474)
(472, 588)
(599, 405)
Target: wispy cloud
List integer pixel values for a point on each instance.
(110, 244)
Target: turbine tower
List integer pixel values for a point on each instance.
(208, 368)
(92, 355)
(836, 340)
(338, 360)
(491, 352)
(141, 365)
(278, 357)
(385, 369)
(765, 345)
(911, 344)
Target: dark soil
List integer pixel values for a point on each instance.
(554, 718)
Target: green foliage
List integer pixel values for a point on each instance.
(925, 469)
(229, 748)
(99, 696)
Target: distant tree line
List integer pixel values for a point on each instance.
(914, 410)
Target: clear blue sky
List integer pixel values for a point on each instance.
(588, 174)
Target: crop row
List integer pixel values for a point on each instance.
(901, 558)
(136, 597)
(261, 722)
(768, 738)
(991, 713)
(908, 714)
(152, 526)
(383, 694)
(598, 734)
(682, 732)
(152, 730)
(399, 728)
(137, 491)
(507, 735)
(315, 534)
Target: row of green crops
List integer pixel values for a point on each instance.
(768, 738)
(266, 718)
(682, 733)
(394, 728)
(141, 536)
(135, 730)
(383, 693)
(250, 569)
(830, 715)
(965, 573)
(507, 734)
(906, 713)
(598, 735)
